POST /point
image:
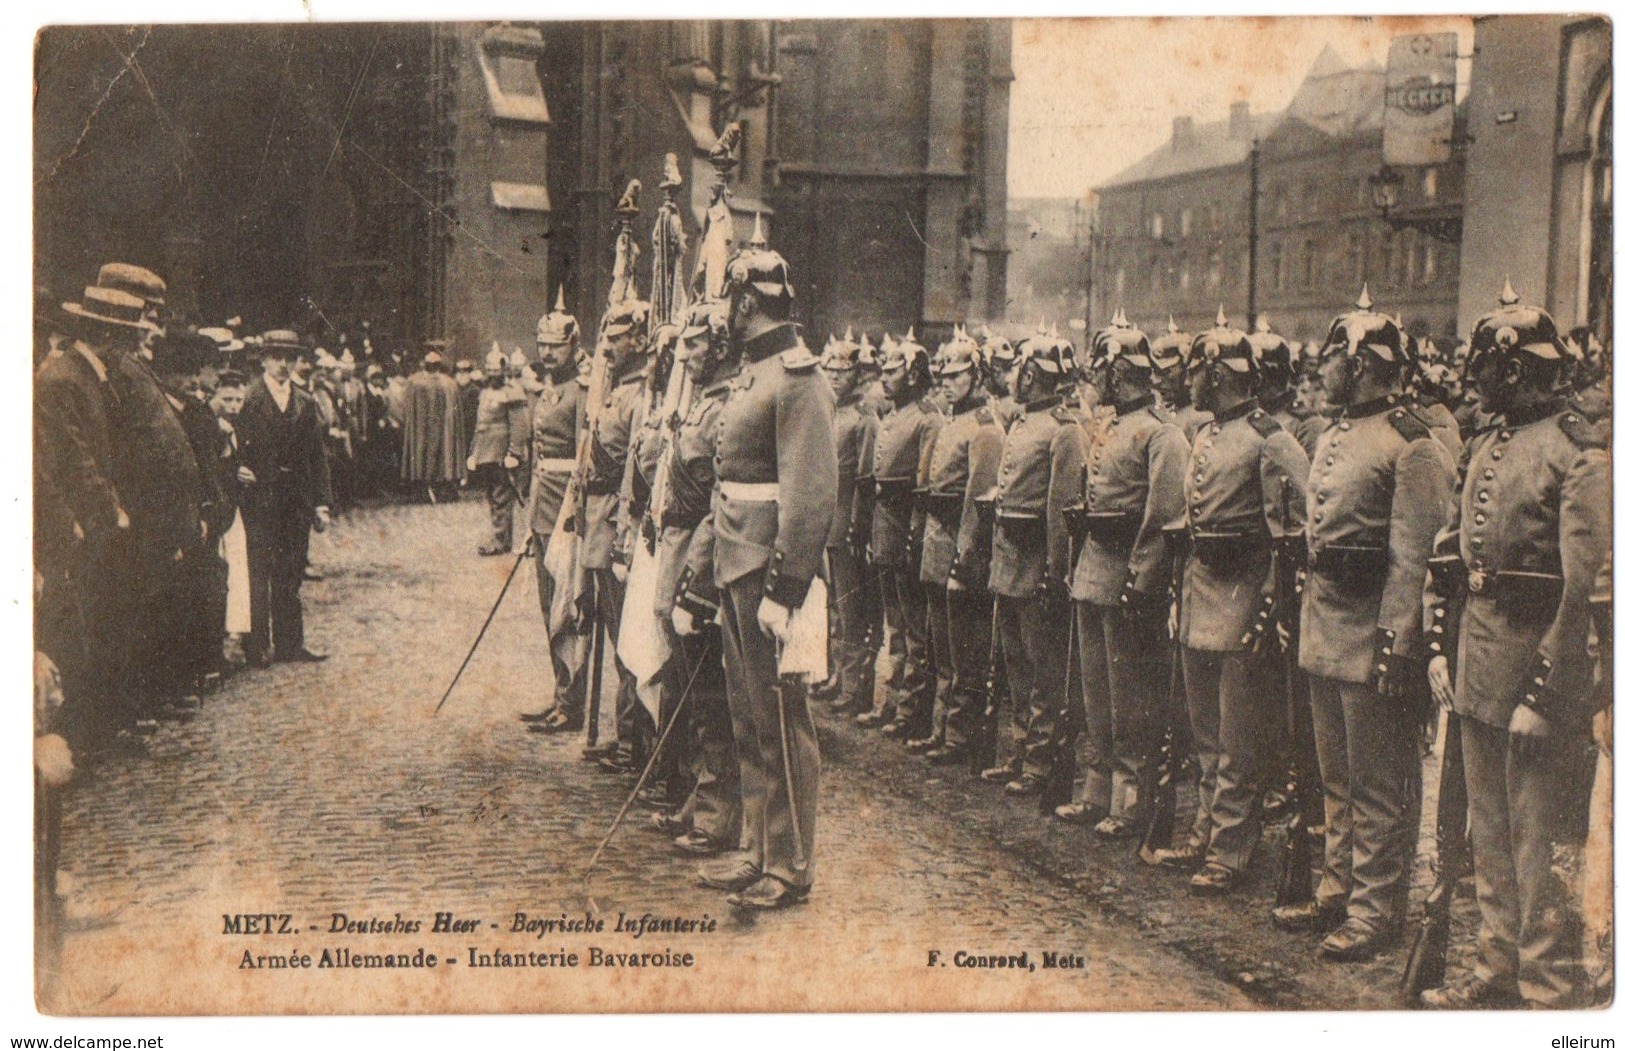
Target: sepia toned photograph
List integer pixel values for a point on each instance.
(863, 515)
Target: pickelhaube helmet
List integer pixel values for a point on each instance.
(842, 355)
(1277, 361)
(557, 327)
(1515, 328)
(1221, 343)
(760, 268)
(997, 350)
(906, 354)
(957, 354)
(1120, 340)
(495, 360)
(1043, 352)
(629, 316)
(1171, 348)
(1364, 329)
(708, 318)
(868, 357)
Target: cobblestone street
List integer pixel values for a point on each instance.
(314, 790)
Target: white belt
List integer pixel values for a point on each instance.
(556, 463)
(759, 492)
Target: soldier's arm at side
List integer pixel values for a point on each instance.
(518, 427)
(986, 449)
(804, 417)
(1283, 475)
(1420, 509)
(1065, 483)
(1151, 563)
(697, 590)
(1584, 533)
(863, 495)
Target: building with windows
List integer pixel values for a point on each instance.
(1540, 169)
(1280, 214)
(444, 180)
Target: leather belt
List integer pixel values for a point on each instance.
(1490, 582)
(750, 492)
(556, 463)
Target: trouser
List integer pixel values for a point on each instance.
(1369, 765)
(707, 748)
(278, 547)
(567, 648)
(500, 496)
(1230, 700)
(1527, 820)
(961, 630)
(1032, 636)
(47, 904)
(856, 640)
(905, 607)
(1124, 665)
(767, 713)
(634, 726)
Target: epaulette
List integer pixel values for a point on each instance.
(798, 359)
(1064, 414)
(984, 416)
(1302, 412)
(1158, 412)
(1581, 431)
(584, 381)
(1264, 423)
(1408, 425)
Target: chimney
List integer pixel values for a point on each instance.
(1184, 132)
(1241, 120)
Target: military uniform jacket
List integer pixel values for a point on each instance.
(1190, 420)
(1303, 424)
(555, 424)
(611, 440)
(500, 425)
(964, 464)
(687, 547)
(902, 443)
(1135, 474)
(777, 427)
(855, 427)
(1244, 489)
(1535, 526)
(74, 410)
(1040, 473)
(1442, 423)
(1379, 492)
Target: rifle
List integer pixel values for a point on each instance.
(987, 745)
(1294, 883)
(1064, 769)
(1425, 962)
(1171, 758)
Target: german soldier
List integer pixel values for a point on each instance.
(1534, 528)
(501, 433)
(1279, 369)
(964, 465)
(556, 421)
(857, 612)
(1040, 471)
(1001, 375)
(1244, 489)
(1378, 492)
(1171, 359)
(686, 596)
(772, 511)
(1135, 468)
(901, 443)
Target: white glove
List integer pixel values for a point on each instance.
(472, 466)
(682, 622)
(774, 619)
(510, 462)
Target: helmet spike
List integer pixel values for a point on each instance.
(910, 337)
(1364, 302)
(1508, 296)
(758, 239)
(1120, 319)
(1221, 321)
(1399, 320)
(1264, 324)
(558, 306)
(849, 333)
(1173, 326)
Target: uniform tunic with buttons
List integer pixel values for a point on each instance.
(686, 540)
(555, 422)
(778, 426)
(855, 427)
(901, 443)
(612, 438)
(1190, 420)
(1536, 499)
(964, 465)
(1136, 467)
(1245, 480)
(1378, 480)
(1305, 425)
(500, 424)
(1040, 473)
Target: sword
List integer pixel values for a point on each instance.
(779, 684)
(488, 619)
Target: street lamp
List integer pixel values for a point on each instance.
(1385, 190)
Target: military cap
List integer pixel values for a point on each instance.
(1514, 328)
(138, 281)
(760, 268)
(282, 343)
(906, 353)
(958, 354)
(1226, 344)
(1364, 329)
(1120, 340)
(996, 349)
(557, 327)
(109, 306)
(1171, 348)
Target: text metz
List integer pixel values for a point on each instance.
(259, 923)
